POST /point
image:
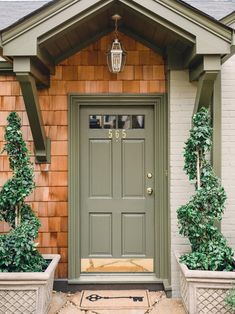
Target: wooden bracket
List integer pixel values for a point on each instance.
(205, 73)
(208, 63)
(30, 95)
(205, 90)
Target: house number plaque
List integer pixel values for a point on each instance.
(117, 134)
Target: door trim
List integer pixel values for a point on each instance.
(162, 246)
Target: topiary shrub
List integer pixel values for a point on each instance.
(18, 251)
(197, 218)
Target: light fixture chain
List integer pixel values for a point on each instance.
(116, 28)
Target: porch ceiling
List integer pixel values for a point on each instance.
(134, 24)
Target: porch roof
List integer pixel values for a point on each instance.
(60, 28)
(22, 8)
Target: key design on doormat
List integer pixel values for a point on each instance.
(96, 297)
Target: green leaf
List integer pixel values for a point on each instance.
(17, 248)
(197, 218)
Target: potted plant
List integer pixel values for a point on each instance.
(26, 277)
(205, 272)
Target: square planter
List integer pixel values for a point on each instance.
(204, 291)
(29, 292)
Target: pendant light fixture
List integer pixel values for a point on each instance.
(116, 55)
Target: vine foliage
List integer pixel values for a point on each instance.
(197, 219)
(18, 251)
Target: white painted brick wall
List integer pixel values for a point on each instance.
(182, 97)
(228, 148)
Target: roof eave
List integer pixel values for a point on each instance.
(228, 19)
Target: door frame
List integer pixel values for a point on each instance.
(161, 210)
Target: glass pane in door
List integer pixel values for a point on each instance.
(124, 122)
(138, 122)
(117, 265)
(109, 122)
(95, 122)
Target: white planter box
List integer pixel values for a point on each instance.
(28, 293)
(204, 291)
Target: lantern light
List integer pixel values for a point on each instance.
(116, 55)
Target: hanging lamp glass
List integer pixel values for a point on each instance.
(116, 55)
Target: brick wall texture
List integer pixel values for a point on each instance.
(84, 72)
(228, 148)
(181, 104)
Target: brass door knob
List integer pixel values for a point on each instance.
(149, 191)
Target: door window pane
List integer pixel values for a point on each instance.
(109, 122)
(124, 122)
(137, 122)
(95, 122)
(117, 122)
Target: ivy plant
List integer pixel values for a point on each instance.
(230, 300)
(197, 219)
(18, 251)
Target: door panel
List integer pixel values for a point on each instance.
(117, 214)
(100, 168)
(100, 228)
(133, 235)
(133, 169)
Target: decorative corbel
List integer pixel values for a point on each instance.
(208, 74)
(29, 92)
(205, 73)
(205, 90)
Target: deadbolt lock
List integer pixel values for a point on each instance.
(149, 191)
(149, 175)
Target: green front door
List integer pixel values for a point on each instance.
(117, 182)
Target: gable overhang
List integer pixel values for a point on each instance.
(229, 19)
(32, 36)
(179, 32)
(186, 37)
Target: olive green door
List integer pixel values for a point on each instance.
(117, 183)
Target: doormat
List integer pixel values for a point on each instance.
(114, 299)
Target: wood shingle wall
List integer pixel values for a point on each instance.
(84, 72)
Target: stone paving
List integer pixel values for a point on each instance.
(63, 303)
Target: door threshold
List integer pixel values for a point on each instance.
(112, 278)
(113, 282)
